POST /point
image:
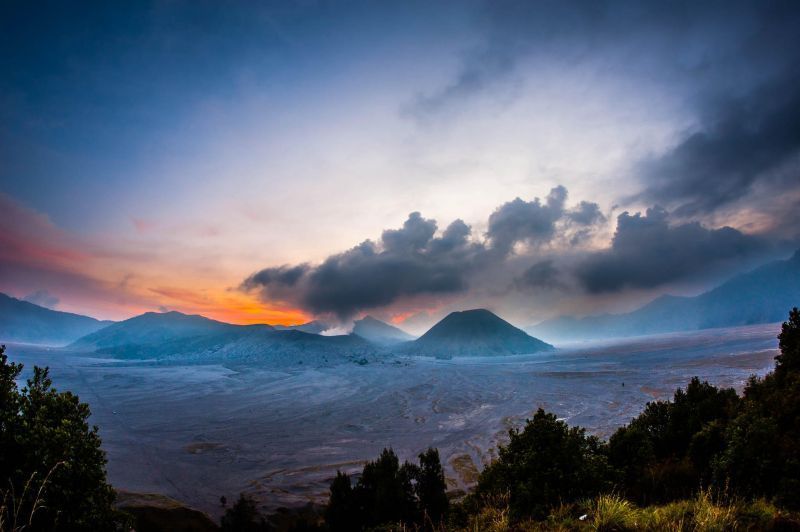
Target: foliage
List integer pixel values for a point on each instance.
(52, 468)
(387, 492)
(665, 453)
(762, 457)
(340, 513)
(430, 487)
(545, 464)
(243, 516)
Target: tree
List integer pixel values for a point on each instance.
(384, 493)
(340, 514)
(666, 452)
(49, 447)
(788, 361)
(761, 456)
(431, 488)
(389, 493)
(545, 464)
(243, 516)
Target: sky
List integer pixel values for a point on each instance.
(281, 162)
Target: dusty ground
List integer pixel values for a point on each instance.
(194, 433)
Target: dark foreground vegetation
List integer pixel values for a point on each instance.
(709, 459)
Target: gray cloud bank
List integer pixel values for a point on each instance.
(536, 239)
(405, 262)
(647, 252)
(414, 261)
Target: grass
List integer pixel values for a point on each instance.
(18, 510)
(612, 513)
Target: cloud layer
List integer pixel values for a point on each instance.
(647, 252)
(543, 241)
(405, 262)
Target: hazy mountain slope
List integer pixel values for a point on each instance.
(763, 295)
(177, 337)
(253, 346)
(21, 321)
(475, 333)
(379, 332)
(312, 327)
(154, 328)
(293, 348)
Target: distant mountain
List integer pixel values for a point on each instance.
(378, 332)
(153, 328)
(475, 333)
(312, 327)
(21, 321)
(193, 339)
(763, 295)
(276, 349)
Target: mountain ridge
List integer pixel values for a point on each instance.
(761, 295)
(196, 339)
(26, 322)
(152, 328)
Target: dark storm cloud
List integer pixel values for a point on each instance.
(748, 141)
(533, 222)
(407, 262)
(280, 275)
(647, 252)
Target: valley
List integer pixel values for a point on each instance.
(196, 431)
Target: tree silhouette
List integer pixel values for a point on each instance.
(389, 493)
(244, 516)
(51, 462)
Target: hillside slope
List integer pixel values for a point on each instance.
(21, 321)
(152, 328)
